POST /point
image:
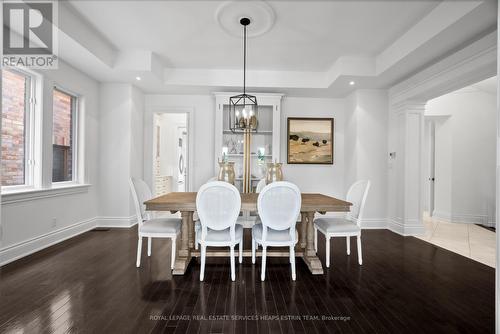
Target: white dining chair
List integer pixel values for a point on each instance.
(148, 225)
(218, 204)
(196, 219)
(260, 185)
(347, 226)
(279, 206)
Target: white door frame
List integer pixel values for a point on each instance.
(180, 130)
(432, 167)
(149, 150)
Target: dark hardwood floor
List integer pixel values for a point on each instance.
(89, 284)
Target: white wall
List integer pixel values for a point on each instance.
(320, 178)
(426, 165)
(366, 150)
(137, 132)
(121, 150)
(466, 152)
(169, 123)
(327, 179)
(25, 222)
(443, 168)
(202, 135)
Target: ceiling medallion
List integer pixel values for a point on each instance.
(261, 15)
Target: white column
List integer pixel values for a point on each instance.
(409, 123)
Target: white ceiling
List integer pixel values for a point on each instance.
(488, 85)
(313, 48)
(307, 35)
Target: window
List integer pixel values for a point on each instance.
(17, 133)
(63, 136)
(23, 128)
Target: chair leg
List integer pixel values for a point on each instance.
(172, 262)
(254, 246)
(292, 262)
(316, 240)
(149, 245)
(263, 269)
(240, 251)
(327, 251)
(202, 268)
(360, 259)
(233, 274)
(196, 239)
(348, 241)
(139, 250)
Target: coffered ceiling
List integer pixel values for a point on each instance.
(302, 47)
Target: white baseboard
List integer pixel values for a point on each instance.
(464, 218)
(19, 250)
(116, 222)
(30, 246)
(408, 228)
(441, 215)
(373, 223)
(395, 226)
(471, 219)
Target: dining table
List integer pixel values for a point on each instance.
(185, 203)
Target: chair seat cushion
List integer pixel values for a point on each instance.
(161, 225)
(272, 235)
(222, 235)
(336, 225)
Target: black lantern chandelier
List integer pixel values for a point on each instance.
(243, 108)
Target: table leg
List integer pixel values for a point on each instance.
(183, 255)
(303, 229)
(310, 258)
(191, 231)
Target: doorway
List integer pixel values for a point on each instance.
(429, 165)
(459, 167)
(171, 153)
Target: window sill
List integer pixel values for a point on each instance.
(21, 195)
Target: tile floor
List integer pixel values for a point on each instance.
(469, 240)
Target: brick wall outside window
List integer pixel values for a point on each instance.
(62, 162)
(13, 123)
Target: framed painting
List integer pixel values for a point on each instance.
(310, 141)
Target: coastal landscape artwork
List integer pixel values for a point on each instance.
(310, 140)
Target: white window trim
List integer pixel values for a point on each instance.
(41, 187)
(31, 131)
(10, 196)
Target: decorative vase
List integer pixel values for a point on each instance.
(226, 171)
(274, 172)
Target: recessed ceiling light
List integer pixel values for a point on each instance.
(138, 78)
(352, 83)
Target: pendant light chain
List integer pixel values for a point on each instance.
(243, 108)
(244, 57)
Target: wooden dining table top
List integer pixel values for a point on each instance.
(186, 201)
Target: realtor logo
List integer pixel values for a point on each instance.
(29, 34)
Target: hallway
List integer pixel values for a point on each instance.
(469, 240)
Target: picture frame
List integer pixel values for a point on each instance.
(310, 140)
